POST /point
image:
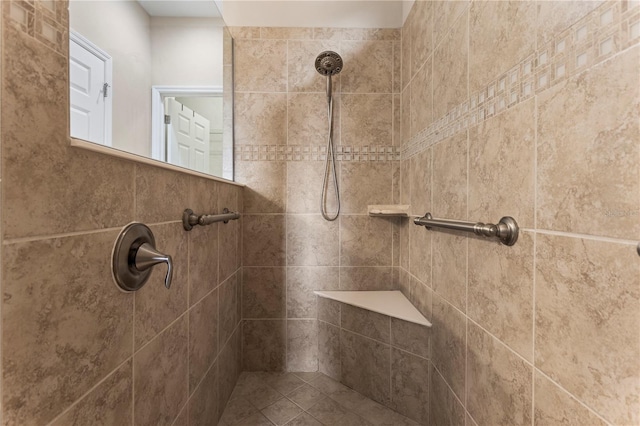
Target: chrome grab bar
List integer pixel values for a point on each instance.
(190, 219)
(506, 230)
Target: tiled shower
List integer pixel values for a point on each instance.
(470, 111)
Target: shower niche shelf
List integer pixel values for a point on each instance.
(397, 210)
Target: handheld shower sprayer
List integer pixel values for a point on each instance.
(329, 63)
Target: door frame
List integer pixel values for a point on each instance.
(158, 93)
(101, 54)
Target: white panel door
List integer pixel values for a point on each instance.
(89, 71)
(188, 137)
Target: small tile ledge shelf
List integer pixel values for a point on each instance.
(391, 303)
(401, 210)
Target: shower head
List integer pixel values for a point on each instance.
(328, 63)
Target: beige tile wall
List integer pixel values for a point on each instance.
(281, 117)
(75, 349)
(539, 120)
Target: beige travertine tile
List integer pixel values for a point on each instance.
(329, 310)
(365, 322)
(420, 182)
(151, 181)
(159, 393)
(556, 16)
(362, 241)
(203, 405)
(366, 278)
(405, 229)
(305, 396)
(312, 241)
(109, 403)
(203, 260)
(450, 178)
(448, 344)
(328, 411)
(420, 246)
(450, 69)
(255, 67)
(450, 267)
(397, 119)
(302, 75)
(244, 32)
(203, 337)
(368, 66)
(444, 407)
(376, 413)
(204, 195)
(410, 337)
(499, 382)
(263, 292)
(286, 33)
(554, 406)
(404, 283)
(363, 184)
(302, 345)
(501, 290)
(327, 33)
(370, 34)
(263, 240)
(587, 312)
(365, 366)
(260, 118)
(263, 345)
(405, 73)
(51, 287)
(281, 411)
(307, 119)
(266, 185)
(301, 282)
(366, 120)
(397, 66)
(501, 166)
(229, 368)
(421, 32)
(329, 350)
(282, 382)
(155, 305)
(239, 410)
(410, 385)
(421, 93)
(588, 150)
(421, 296)
(304, 187)
(405, 116)
(447, 16)
(228, 233)
(507, 28)
(42, 175)
(395, 241)
(228, 308)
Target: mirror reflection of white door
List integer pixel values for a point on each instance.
(187, 137)
(90, 82)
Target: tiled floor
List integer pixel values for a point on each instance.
(302, 399)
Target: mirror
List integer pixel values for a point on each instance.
(153, 78)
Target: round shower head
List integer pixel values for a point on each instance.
(328, 63)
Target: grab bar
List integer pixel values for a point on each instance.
(506, 230)
(190, 219)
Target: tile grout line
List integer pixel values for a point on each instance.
(88, 392)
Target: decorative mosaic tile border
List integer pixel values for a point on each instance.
(44, 20)
(315, 153)
(609, 29)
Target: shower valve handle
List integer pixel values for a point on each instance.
(147, 256)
